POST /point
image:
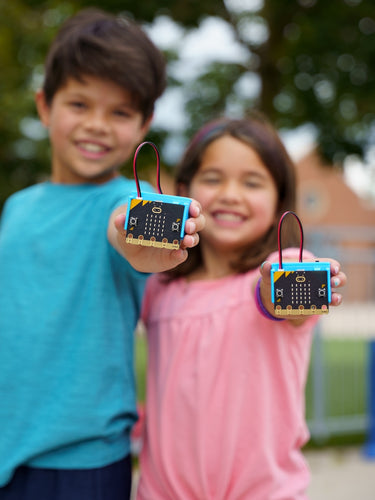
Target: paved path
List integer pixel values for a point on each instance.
(352, 320)
(341, 474)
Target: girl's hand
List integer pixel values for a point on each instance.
(338, 280)
(152, 259)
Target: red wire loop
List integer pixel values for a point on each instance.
(139, 194)
(279, 236)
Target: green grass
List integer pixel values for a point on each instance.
(140, 365)
(345, 378)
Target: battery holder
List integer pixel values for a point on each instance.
(155, 219)
(300, 288)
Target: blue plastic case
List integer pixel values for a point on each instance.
(301, 288)
(156, 220)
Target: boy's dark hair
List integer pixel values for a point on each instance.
(99, 44)
(260, 135)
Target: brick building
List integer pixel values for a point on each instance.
(339, 223)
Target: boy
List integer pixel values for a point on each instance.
(70, 300)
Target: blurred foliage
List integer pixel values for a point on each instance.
(324, 68)
(316, 65)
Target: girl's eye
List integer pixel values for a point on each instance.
(252, 184)
(210, 180)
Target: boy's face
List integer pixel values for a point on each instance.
(93, 128)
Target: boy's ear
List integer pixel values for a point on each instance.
(42, 107)
(145, 127)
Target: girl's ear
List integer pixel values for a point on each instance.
(42, 108)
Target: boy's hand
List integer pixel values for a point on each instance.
(338, 279)
(151, 259)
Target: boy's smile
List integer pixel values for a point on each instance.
(93, 127)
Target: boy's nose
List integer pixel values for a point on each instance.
(96, 121)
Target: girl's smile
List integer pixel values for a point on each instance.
(228, 219)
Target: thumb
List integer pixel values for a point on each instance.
(265, 271)
(119, 222)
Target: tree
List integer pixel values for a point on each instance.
(313, 62)
(25, 33)
(323, 71)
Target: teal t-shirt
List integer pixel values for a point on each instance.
(69, 304)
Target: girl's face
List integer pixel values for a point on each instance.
(237, 193)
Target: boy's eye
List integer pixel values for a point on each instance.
(122, 113)
(77, 104)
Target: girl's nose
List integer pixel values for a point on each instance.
(230, 191)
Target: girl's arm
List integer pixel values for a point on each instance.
(338, 279)
(151, 259)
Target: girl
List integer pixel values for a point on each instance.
(225, 394)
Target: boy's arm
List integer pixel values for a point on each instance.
(338, 279)
(151, 259)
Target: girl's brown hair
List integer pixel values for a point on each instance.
(260, 135)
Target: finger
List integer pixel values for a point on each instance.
(178, 256)
(338, 280)
(190, 226)
(336, 299)
(265, 270)
(200, 222)
(195, 208)
(335, 267)
(190, 241)
(120, 222)
(194, 225)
